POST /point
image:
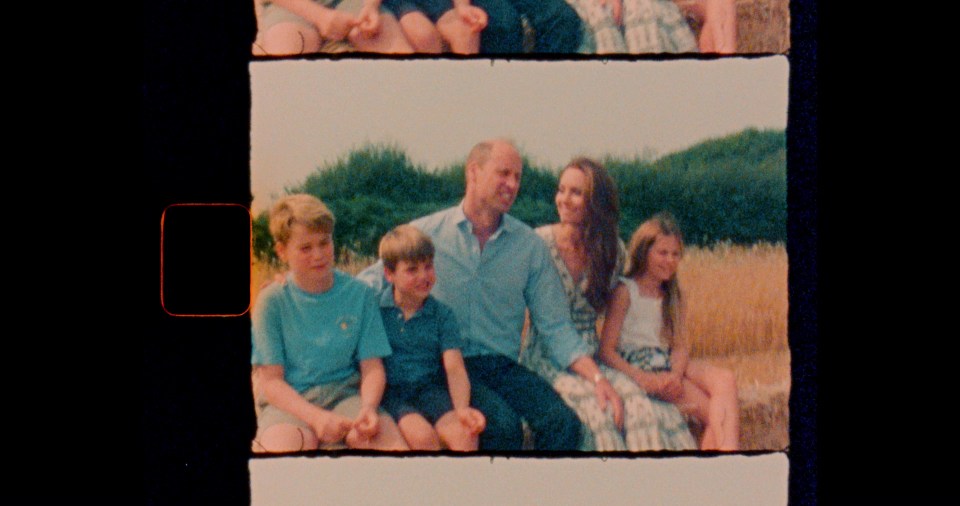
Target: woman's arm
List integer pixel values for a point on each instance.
(606, 395)
(328, 426)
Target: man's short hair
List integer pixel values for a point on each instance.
(405, 242)
(481, 152)
(304, 209)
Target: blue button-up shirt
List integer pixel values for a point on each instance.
(489, 290)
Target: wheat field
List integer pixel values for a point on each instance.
(737, 302)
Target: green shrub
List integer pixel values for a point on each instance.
(727, 189)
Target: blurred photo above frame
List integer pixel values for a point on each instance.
(504, 27)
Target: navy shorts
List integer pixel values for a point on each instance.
(430, 399)
(433, 9)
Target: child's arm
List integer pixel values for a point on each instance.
(610, 338)
(672, 386)
(373, 379)
(459, 386)
(472, 16)
(368, 20)
(331, 23)
(328, 426)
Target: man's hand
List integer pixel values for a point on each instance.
(330, 427)
(472, 419)
(607, 396)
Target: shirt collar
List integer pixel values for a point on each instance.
(386, 300)
(507, 222)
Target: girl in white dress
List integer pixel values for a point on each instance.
(642, 337)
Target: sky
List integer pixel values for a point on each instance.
(306, 113)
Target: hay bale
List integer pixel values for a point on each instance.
(764, 416)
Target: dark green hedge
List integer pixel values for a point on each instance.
(732, 188)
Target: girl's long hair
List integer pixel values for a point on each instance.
(661, 224)
(600, 229)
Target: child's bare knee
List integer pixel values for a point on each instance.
(460, 440)
(422, 440)
(290, 38)
(287, 438)
(421, 34)
(418, 433)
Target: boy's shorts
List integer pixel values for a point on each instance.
(340, 397)
(648, 358)
(273, 14)
(430, 399)
(433, 9)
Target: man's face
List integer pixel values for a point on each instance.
(497, 181)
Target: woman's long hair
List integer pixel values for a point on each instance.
(600, 229)
(661, 224)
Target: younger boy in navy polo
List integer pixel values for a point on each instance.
(428, 392)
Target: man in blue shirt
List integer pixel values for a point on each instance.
(491, 268)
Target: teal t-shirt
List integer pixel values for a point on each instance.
(317, 338)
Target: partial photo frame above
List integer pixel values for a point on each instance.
(521, 28)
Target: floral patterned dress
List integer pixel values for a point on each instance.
(648, 26)
(649, 423)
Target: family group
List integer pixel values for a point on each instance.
(424, 350)
(292, 27)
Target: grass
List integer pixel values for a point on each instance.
(736, 318)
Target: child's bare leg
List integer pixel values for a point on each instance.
(290, 38)
(721, 386)
(418, 433)
(695, 402)
(390, 39)
(285, 437)
(420, 33)
(455, 435)
(460, 36)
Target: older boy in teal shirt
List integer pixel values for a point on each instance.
(317, 344)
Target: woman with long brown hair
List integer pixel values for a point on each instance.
(587, 251)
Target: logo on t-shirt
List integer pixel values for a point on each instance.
(346, 324)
